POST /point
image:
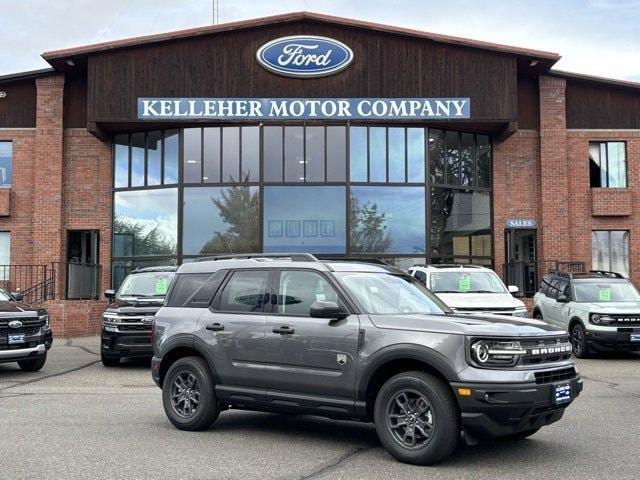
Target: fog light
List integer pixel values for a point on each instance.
(464, 392)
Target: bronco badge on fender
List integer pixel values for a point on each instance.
(304, 56)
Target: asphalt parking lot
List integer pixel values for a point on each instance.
(77, 419)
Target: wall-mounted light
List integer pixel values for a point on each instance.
(70, 62)
(3, 94)
(533, 63)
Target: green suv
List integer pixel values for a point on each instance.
(601, 310)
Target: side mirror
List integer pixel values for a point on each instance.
(562, 298)
(330, 310)
(17, 296)
(513, 289)
(110, 294)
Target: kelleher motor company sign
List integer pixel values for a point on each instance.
(303, 108)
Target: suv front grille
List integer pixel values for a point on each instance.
(556, 375)
(626, 320)
(541, 351)
(141, 327)
(496, 311)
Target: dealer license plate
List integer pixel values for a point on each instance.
(14, 339)
(562, 393)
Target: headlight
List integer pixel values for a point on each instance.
(44, 318)
(600, 319)
(110, 318)
(496, 353)
(521, 312)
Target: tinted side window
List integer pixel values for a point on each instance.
(421, 276)
(299, 289)
(195, 289)
(246, 291)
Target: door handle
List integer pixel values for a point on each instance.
(215, 327)
(284, 330)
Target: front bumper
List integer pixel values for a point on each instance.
(34, 346)
(126, 344)
(495, 410)
(614, 340)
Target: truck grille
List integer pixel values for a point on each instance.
(134, 328)
(542, 351)
(30, 326)
(626, 320)
(555, 375)
(495, 311)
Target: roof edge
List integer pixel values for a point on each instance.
(28, 74)
(595, 79)
(53, 55)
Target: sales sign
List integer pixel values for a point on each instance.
(303, 108)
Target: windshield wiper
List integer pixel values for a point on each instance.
(481, 291)
(446, 291)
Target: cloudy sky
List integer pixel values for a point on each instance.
(598, 37)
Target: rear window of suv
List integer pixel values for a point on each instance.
(195, 289)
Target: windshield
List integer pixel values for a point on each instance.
(152, 284)
(384, 293)
(591, 292)
(465, 281)
(4, 296)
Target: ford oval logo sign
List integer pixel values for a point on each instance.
(15, 324)
(305, 56)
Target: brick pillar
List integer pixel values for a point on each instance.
(554, 183)
(47, 217)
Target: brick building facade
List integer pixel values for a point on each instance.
(61, 124)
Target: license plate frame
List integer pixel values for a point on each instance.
(562, 393)
(16, 339)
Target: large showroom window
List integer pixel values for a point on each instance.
(607, 164)
(404, 194)
(6, 163)
(610, 251)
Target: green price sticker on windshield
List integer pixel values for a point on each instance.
(464, 284)
(604, 294)
(162, 285)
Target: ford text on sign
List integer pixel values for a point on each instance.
(303, 108)
(304, 56)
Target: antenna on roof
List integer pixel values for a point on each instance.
(215, 11)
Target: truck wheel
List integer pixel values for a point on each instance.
(579, 341)
(188, 395)
(417, 418)
(33, 365)
(538, 316)
(110, 361)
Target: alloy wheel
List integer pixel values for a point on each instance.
(410, 419)
(185, 394)
(577, 339)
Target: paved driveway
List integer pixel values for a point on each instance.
(77, 419)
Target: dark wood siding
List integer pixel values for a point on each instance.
(602, 106)
(18, 108)
(528, 103)
(75, 100)
(224, 65)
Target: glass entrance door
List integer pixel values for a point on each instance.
(521, 263)
(82, 269)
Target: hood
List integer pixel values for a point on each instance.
(481, 325)
(8, 307)
(615, 307)
(480, 300)
(133, 304)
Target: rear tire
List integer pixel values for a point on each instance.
(110, 361)
(579, 341)
(417, 418)
(33, 364)
(188, 395)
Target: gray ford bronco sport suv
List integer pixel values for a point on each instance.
(352, 340)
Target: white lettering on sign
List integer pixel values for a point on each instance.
(315, 108)
(294, 54)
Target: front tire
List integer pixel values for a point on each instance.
(33, 364)
(188, 395)
(417, 418)
(579, 341)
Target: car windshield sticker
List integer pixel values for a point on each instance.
(604, 294)
(464, 283)
(162, 285)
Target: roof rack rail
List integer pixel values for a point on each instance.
(294, 257)
(377, 261)
(607, 273)
(561, 273)
(160, 268)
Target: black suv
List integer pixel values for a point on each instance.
(351, 340)
(25, 334)
(126, 323)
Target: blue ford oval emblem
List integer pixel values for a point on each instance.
(15, 324)
(304, 56)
